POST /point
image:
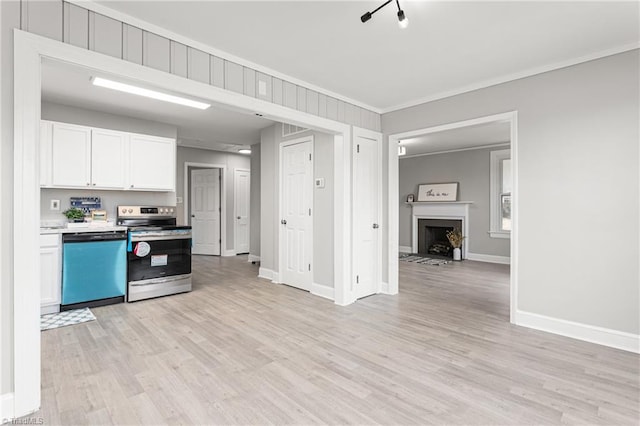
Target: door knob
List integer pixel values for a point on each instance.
(283, 221)
(193, 215)
(376, 226)
(238, 217)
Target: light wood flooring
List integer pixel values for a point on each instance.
(241, 350)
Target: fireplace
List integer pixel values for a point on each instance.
(449, 214)
(432, 236)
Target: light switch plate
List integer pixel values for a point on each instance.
(55, 205)
(319, 182)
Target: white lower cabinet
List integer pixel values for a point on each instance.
(50, 273)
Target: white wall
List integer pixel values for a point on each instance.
(322, 265)
(231, 161)
(471, 170)
(578, 185)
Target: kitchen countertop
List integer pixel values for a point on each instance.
(60, 230)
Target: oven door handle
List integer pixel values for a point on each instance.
(137, 238)
(160, 280)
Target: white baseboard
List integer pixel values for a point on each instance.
(405, 249)
(489, 258)
(6, 407)
(269, 274)
(229, 253)
(322, 291)
(384, 288)
(589, 333)
(253, 258)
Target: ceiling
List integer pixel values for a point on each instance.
(214, 128)
(480, 135)
(449, 46)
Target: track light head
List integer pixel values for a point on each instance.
(403, 22)
(364, 18)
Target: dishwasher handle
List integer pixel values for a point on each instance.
(88, 237)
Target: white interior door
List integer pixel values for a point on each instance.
(241, 193)
(366, 207)
(205, 211)
(296, 226)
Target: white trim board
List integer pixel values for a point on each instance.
(268, 274)
(489, 258)
(322, 290)
(588, 333)
(404, 249)
(471, 148)
(253, 258)
(147, 26)
(6, 407)
(228, 253)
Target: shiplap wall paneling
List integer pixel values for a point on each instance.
(156, 51)
(348, 113)
(217, 71)
(76, 25)
(178, 59)
(289, 94)
(264, 87)
(278, 96)
(250, 82)
(42, 17)
(198, 65)
(332, 108)
(233, 77)
(105, 35)
(132, 44)
(322, 105)
(312, 102)
(302, 99)
(341, 106)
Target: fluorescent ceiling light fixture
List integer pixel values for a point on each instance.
(135, 90)
(244, 151)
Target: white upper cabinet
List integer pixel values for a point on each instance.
(108, 159)
(71, 156)
(152, 163)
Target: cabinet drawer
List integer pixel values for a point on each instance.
(49, 240)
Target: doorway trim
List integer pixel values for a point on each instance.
(235, 208)
(29, 49)
(223, 200)
(394, 182)
(281, 145)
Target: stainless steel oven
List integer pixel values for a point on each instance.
(158, 252)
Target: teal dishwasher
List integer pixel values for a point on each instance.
(94, 269)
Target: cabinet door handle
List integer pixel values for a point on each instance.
(131, 186)
(88, 184)
(94, 184)
(239, 217)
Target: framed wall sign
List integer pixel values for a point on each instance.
(438, 192)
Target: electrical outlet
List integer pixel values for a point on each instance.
(55, 205)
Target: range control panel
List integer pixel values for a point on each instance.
(146, 211)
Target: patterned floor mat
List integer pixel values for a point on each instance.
(422, 260)
(62, 319)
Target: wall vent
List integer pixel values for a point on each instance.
(290, 129)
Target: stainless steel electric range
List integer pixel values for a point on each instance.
(158, 252)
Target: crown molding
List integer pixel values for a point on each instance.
(515, 76)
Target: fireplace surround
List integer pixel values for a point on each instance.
(449, 212)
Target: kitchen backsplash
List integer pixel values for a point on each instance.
(110, 200)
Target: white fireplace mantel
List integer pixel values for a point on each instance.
(452, 210)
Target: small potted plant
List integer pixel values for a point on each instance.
(74, 214)
(455, 237)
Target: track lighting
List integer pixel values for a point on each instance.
(403, 22)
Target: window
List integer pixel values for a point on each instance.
(500, 193)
